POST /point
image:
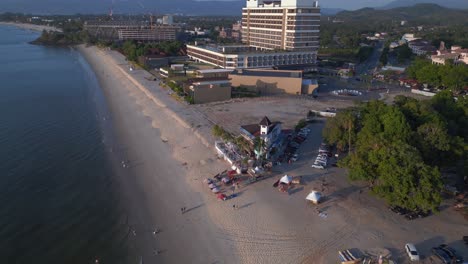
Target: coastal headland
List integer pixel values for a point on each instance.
(33, 27)
(167, 151)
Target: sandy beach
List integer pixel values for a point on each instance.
(33, 27)
(167, 149)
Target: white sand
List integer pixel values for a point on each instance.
(269, 227)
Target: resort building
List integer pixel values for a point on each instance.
(239, 57)
(274, 33)
(156, 33)
(281, 25)
(130, 30)
(268, 81)
(210, 86)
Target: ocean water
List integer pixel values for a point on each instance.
(59, 201)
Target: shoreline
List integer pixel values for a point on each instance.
(155, 199)
(168, 147)
(32, 27)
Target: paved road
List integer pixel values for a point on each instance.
(369, 65)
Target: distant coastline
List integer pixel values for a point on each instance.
(33, 27)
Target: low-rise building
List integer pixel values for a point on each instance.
(421, 47)
(155, 33)
(269, 81)
(210, 86)
(456, 53)
(408, 37)
(269, 132)
(241, 56)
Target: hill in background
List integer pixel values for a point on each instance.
(458, 4)
(186, 7)
(430, 14)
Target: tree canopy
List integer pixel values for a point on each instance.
(398, 149)
(451, 76)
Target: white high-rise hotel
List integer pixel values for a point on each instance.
(281, 24)
(275, 33)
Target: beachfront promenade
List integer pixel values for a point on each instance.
(170, 151)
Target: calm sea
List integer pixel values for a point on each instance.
(59, 202)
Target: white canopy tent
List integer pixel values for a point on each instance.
(286, 179)
(314, 197)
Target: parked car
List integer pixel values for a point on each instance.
(438, 252)
(295, 157)
(412, 252)
(451, 253)
(318, 166)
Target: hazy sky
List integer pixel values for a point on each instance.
(174, 6)
(344, 4)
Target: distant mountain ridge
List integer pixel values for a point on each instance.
(420, 13)
(457, 4)
(186, 7)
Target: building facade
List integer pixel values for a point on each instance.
(155, 33)
(281, 24)
(240, 57)
(210, 86)
(269, 82)
(274, 32)
(130, 30)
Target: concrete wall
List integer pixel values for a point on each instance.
(425, 93)
(267, 85)
(206, 93)
(309, 88)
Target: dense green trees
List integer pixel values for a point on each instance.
(403, 53)
(398, 149)
(133, 49)
(451, 76)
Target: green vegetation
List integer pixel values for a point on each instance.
(241, 92)
(240, 141)
(301, 124)
(419, 14)
(133, 49)
(364, 53)
(450, 76)
(218, 131)
(398, 149)
(384, 56)
(403, 52)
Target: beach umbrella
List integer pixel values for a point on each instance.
(314, 197)
(225, 180)
(221, 196)
(286, 179)
(208, 180)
